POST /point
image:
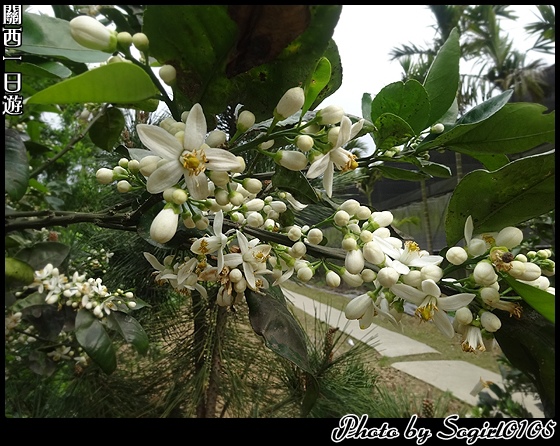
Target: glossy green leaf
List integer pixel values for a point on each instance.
(130, 329)
(435, 169)
(529, 344)
(49, 69)
(390, 131)
(33, 300)
(114, 83)
(486, 109)
(95, 341)
(50, 36)
(318, 80)
(407, 100)
(106, 131)
(491, 161)
(248, 54)
(16, 166)
(270, 318)
(540, 300)
(517, 192)
(442, 80)
(296, 183)
(514, 128)
(17, 273)
(366, 105)
(38, 255)
(395, 173)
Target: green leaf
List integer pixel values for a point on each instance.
(435, 169)
(486, 109)
(42, 253)
(49, 36)
(514, 128)
(442, 80)
(318, 80)
(17, 273)
(540, 300)
(114, 83)
(407, 100)
(95, 341)
(529, 344)
(395, 173)
(130, 329)
(16, 167)
(390, 131)
(271, 318)
(49, 69)
(491, 161)
(248, 54)
(296, 183)
(106, 131)
(517, 192)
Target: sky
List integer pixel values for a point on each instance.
(366, 34)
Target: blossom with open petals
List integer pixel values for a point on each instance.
(402, 259)
(253, 257)
(189, 159)
(337, 157)
(430, 301)
(215, 243)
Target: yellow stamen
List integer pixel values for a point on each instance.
(411, 246)
(194, 162)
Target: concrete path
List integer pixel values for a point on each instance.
(457, 377)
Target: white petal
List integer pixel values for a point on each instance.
(220, 160)
(469, 227)
(442, 322)
(454, 302)
(232, 260)
(344, 133)
(356, 308)
(284, 277)
(243, 242)
(328, 179)
(356, 128)
(400, 267)
(153, 261)
(430, 288)
(426, 260)
(159, 141)
(195, 129)
(165, 176)
(218, 222)
(318, 167)
(408, 293)
(197, 185)
(249, 275)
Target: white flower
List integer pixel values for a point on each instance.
(484, 274)
(509, 237)
(387, 277)
(214, 243)
(332, 279)
(401, 259)
(337, 156)
(456, 255)
(189, 159)
(478, 245)
(490, 322)
(253, 257)
(331, 114)
(354, 261)
(429, 302)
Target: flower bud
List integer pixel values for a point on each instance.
(437, 128)
(179, 196)
(490, 322)
(532, 272)
(168, 74)
(387, 277)
(341, 218)
(413, 278)
(304, 143)
(290, 159)
(368, 275)
(484, 274)
(354, 261)
(373, 253)
(141, 42)
(123, 186)
(331, 114)
(354, 280)
(477, 247)
(358, 306)
(464, 315)
(290, 103)
(148, 164)
(305, 274)
(252, 185)
(245, 120)
(349, 243)
(104, 175)
(433, 272)
(298, 250)
(382, 218)
(92, 34)
(489, 295)
(124, 39)
(216, 138)
(456, 255)
(332, 279)
(164, 226)
(509, 237)
(517, 268)
(294, 234)
(315, 236)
